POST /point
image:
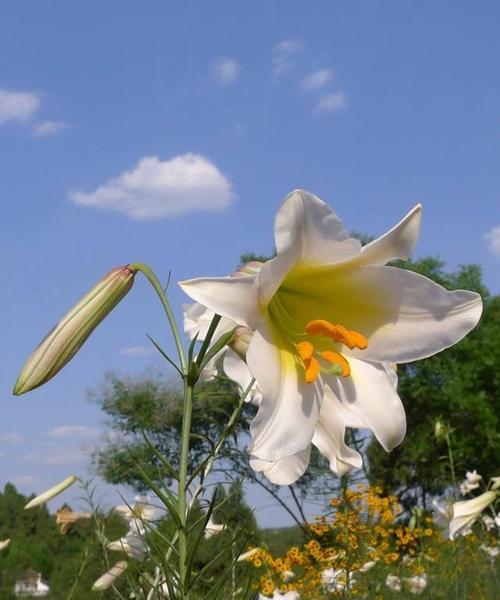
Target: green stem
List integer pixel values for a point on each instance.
(155, 282)
(182, 489)
(450, 458)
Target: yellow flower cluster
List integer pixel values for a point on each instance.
(358, 533)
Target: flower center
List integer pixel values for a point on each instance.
(336, 363)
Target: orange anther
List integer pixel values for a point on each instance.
(337, 333)
(312, 370)
(337, 358)
(306, 350)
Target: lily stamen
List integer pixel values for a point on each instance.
(337, 333)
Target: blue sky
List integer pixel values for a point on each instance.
(169, 133)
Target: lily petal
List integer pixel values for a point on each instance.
(404, 315)
(233, 297)
(397, 243)
(284, 471)
(466, 512)
(370, 395)
(289, 410)
(237, 370)
(329, 437)
(305, 222)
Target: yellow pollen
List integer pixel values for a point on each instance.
(337, 333)
(337, 358)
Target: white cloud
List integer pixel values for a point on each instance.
(225, 70)
(283, 54)
(316, 80)
(65, 457)
(18, 106)
(49, 128)
(493, 239)
(162, 188)
(73, 431)
(136, 351)
(331, 103)
(24, 480)
(11, 438)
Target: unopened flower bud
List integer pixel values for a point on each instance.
(241, 341)
(106, 580)
(68, 336)
(440, 430)
(52, 492)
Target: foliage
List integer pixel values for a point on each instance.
(64, 561)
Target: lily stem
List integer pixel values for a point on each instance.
(157, 286)
(182, 489)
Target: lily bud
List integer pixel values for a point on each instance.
(106, 580)
(68, 336)
(440, 430)
(241, 341)
(52, 492)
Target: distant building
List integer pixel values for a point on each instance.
(31, 585)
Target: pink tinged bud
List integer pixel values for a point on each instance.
(241, 341)
(70, 333)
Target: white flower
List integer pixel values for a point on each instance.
(367, 566)
(497, 520)
(473, 477)
(335, 580)
(491, 551)
(393, 582)
(466, 512)
(212, 528)
(327, 316)
(142, 511)
(133, 544)
(415, 584)
(466, 487)
(488, 522)
(4, 543)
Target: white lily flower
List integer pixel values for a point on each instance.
(4, 543)
(51, 492)
(335, 580)
(133, 544)
(327, 315)
(367, 566)
(107, 580)
(141, 511)
(212, 528)
(466, 512)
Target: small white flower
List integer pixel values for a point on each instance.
(491, 551)
(473, 477)
(488, 522)
(4, 543)
(466, 487)
(393, 582)
(415, 584)
(367, 566)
